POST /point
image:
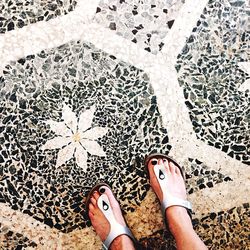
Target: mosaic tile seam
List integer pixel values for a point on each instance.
(220, 115)
(145, 23)
(17, 14)
(26, 227)
(225, 229)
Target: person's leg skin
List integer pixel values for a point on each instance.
(177, 217)
(101, 224)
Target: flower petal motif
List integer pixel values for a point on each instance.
(94, 133)
(81, 156)
(69, 118)
(93, 147)
(56, 142)
(65, 154)
(78, 138)
(59, 128)
(86, 119)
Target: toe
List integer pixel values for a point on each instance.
(93, 201)
(166, 164)
(177, 171)
(153, 162)
(160, 161)
(111, 197)
(172, 167)
(91, 215)
(96, 195)
(151, 165)
(91, 208)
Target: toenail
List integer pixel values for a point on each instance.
(154, 162)
(164, 160)
(102, 190)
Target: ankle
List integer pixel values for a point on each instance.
(122, 242)
(178, 219)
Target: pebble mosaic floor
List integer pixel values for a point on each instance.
(219, 114)
(143, 22)
(17, 14)
(87, 89)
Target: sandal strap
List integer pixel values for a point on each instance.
(119, 230)
(116, 229)
(174, 201)
(168, 199)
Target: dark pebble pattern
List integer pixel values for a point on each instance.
(227, 229)
(14, 241)
(143, 22)
(160, 240)
(210, 76)
(199, 176)
(16, 14)
(33, 90)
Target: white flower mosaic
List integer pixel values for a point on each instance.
(75, 137)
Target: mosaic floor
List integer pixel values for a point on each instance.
(88, 88)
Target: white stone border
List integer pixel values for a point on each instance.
(42, 35)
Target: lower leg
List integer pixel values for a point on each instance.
(181, 227)
(122, 242)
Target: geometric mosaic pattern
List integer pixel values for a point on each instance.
(230, 227)
(124, 124)
(82, 102)
(199, 176)
(210, 76)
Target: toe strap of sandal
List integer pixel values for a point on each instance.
(116, 229)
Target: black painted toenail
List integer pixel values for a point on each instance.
(154, 162)
(164, 160)
(102, 190)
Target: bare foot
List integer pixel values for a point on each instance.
(101, 224)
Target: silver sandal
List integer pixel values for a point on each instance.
(160, 173)
(116, 229)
